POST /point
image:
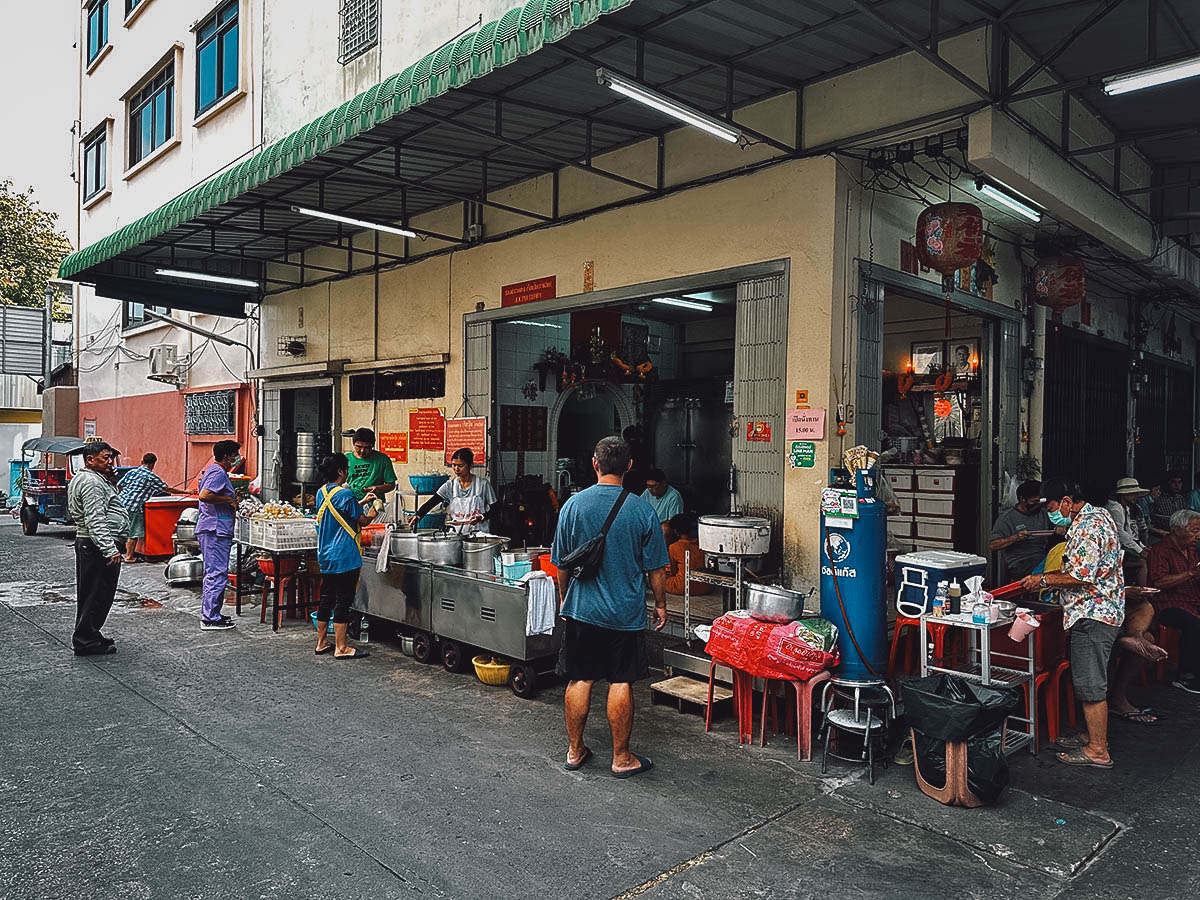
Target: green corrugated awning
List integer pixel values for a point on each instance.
(522, 31)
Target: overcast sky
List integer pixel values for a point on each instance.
(38, 100)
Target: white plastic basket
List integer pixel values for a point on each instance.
(283, 534)
(241, 530)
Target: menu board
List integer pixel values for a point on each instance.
(523, 428)
(394, 445)
(426, 428)
(470, 433)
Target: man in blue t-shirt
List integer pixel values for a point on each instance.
(666, 502)
(604, 633)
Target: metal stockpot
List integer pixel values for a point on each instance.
(443, 548)
(184, 569)
(735, 535)
(479, 552)
(769, 603)
(404, 543)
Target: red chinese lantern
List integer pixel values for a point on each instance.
(949, 237)
(1059, 282)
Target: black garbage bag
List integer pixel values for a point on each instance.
(943, 708)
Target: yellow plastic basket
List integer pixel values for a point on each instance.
(490, 670)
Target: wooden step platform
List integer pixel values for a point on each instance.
(691, 695)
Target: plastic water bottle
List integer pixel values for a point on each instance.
(940, 600)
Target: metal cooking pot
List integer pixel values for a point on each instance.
(479, 551)
(189, 516)
(443, 548)
(769, 603)
(404, 543)
(185, 531)
(184, 569)
(735, 535)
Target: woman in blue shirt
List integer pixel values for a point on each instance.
(339, 517)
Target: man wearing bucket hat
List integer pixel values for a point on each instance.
(1091, 591)
(1121, 507)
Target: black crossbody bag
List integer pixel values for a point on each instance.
(583, 563)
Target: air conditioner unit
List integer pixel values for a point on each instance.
(164, 360)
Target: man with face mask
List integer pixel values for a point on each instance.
(1015, 533)
(1091, 590)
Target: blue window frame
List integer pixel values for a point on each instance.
(95, 162)
(130, 6)
(217, 56)
(97, 28)
(152, 114)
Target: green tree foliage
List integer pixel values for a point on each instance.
(31, 247)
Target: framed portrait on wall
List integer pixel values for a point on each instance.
(963, 355)
(928, 357)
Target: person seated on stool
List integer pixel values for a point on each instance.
(339, 518)
(685, 527)
(1175, 570)
(664, 499)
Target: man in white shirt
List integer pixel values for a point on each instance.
(1126, 494)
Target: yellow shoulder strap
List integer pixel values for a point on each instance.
(327, 504)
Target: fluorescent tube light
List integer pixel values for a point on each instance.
(664, 104)
(535, 324)
(347, 220)
(1152, 77)
(1020, 207)
(686, 304)
(201, 276)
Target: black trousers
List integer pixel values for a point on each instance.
(337, 593)
(1189, 638)
(95, 587)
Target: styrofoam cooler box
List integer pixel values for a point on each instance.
(935, 480)
(935, 530)
(935, 505)
(918, 574)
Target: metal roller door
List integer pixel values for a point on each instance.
(758, 396)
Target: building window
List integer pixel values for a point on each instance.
(152, 114)
(97, 28)
(409, 384)
(210, 412)
(359, 28)
(217, 56)
(134, 314)
(95, 162)
(131, 5)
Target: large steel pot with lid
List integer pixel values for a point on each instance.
(404, 543)
(480, 550)
(442, 548)
(769, 603)
(735, 535)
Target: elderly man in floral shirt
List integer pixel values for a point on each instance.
(1091, 590)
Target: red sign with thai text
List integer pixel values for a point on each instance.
(470, 433)
(394, 445)
(758, 431)
(426, 428)
(529, 291)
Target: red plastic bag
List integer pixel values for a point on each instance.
(765, 649)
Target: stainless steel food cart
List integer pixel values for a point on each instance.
(449, 611)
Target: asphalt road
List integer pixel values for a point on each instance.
(238, 764)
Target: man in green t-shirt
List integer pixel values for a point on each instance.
(371, 472)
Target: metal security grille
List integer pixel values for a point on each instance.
(359, 28)
(1008, 379)
(271, 465)
(1164, 423)
(868, 395)
(758, 397)
(210, 412)
(1086, 412)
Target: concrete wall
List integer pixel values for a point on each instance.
(783, 213)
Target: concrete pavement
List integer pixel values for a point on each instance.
(237, 764)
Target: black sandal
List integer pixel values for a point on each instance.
(358, 653)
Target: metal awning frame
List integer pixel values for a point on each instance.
(466, 143)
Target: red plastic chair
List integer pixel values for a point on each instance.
(1168, 638)
(1048, 685)
(908, 629)
(281, 587)
(801, 718)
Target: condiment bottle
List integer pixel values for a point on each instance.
(955, 597)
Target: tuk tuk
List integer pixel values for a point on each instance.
(52, 462)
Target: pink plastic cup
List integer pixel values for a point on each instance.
(1022, 627)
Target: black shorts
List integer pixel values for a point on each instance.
(592, 653)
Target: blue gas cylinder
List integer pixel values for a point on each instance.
(854, 565)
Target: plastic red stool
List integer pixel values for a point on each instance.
(282, 587)
(801, 717)
(914, 644)
(310, 589)
(743, 702)
(1046, 685)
